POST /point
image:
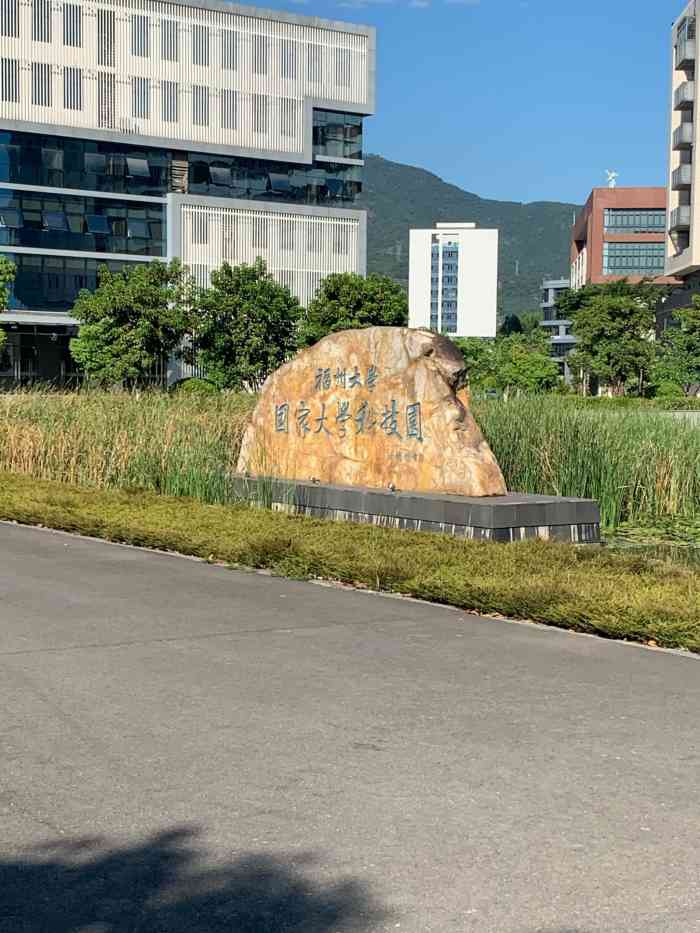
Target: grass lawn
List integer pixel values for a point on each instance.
(585, 589)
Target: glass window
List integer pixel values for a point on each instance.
(288, 58)
(55, 220)
(106, 97)
(169, 40)
(259, 45)
(229, 49)
(11, 217)
(72, 25)
(200, 45)
(72, 88)
(200, 105)
(97, 223)
(633, 258)
(137, 228)
(9, 80)
(140, 98)
(229, 109)
(106, 31)
(624, 220)
(9, 18)
(342, 67)
(140, 35)
(169, 101)
(95, 163)
(258, 104)
(220, 175)
(41, 84)
(288, 116)
(138, 167)
(41, 20)
(313, 63)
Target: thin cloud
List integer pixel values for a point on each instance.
(419, 4)
(463, 2)
(360, 4)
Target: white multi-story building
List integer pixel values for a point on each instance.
(558, 329)
(683, 240)
(453, 280)
(132, 130)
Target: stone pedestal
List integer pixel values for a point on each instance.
(511, 517)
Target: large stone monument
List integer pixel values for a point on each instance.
(374, 425)
(377, 407)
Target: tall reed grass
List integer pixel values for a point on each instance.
(640, 465)
(175, 444)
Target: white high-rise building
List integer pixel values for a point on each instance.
(453, 280)
(135, 130)
(683, 234)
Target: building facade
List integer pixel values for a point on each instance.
(453, 280)
(683, 236)
(558, 329)
(136, 130)
(620, 234)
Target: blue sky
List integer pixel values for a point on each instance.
(522, 100)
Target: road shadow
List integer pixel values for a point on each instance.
(166, 885)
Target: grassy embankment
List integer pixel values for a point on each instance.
(114, 466)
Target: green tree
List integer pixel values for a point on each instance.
(530, 321)
(614, 332)
(522, 365)
(7, 277)
(511, 325)
(676, 369)
(132, 323)
(479, 360)
(346, 300)
(246, 326)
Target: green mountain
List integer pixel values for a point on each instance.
(534, 238)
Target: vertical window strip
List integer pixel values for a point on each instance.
(200, 45)
(9, 80)
(170, 93)
(200, 105)
(313, 62)
(342, 67)
(72, 88)
(229, 49)
(41, 84)
(259, 114)
(72, 25)
(288, 59)
(229, 109)
(106, 84)
(169, 40)
(140, 98)
(106, 25)
(9, 18)
(41, 20)
(260, 46)
(288, 116)
(140, 35)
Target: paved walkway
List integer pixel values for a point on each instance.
(186, 748)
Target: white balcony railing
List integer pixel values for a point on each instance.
(680, 218)
(684, 96)
(683, 136)
(685, 53)
(682, 177)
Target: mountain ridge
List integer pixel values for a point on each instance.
(533, 236)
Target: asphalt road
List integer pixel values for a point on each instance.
(187, 748)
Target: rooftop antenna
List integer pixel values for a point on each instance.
(612, 177)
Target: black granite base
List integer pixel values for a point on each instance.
(493, 518)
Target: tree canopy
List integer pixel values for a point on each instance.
(614, 330)
(132, 323)
(676, 370)
(346, 300)
(511, 364)
(245, 327)
(7, 277)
